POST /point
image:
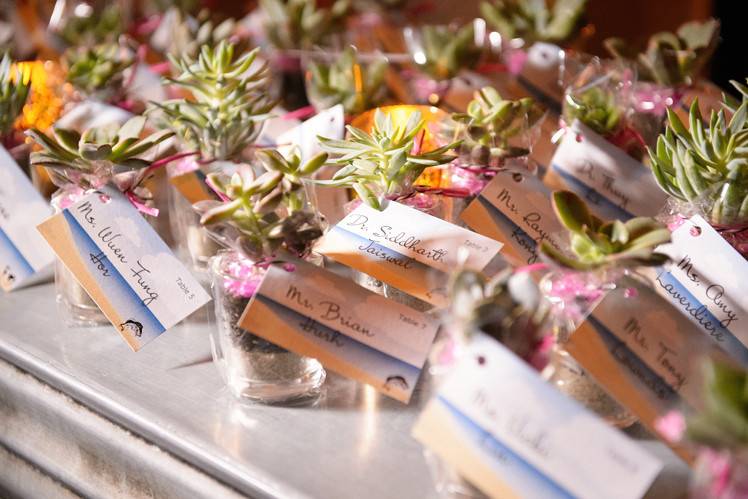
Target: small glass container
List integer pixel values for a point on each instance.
(254, 368)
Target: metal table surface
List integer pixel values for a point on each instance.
(351, 443)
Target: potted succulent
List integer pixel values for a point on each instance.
(296, 25)
(179, 33)
(260, 219)
(81, 24)
(704, 168)
(224, 118)
(384, 165)
(495, 134)
(347, 80)
(439, 53)
(14, 91)
(600, 254)
(670, 63)
(79, 164)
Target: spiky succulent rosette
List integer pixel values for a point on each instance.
(301, 24)
(99, 71)
(98, 155)
(230, 101)
(441, 52)
(596, 244)
(356, 85)
(706, 165)
(14, 90)
(534, 20)
(262, 215)
(672, 59)
(382, 164)
(490, 126)
(507, 307)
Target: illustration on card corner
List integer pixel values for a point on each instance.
(132, 327)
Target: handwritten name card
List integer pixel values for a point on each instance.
(24, 256)
(515, 209)
(351, 330)
(612, 182)
(406, 248)
(131, 274)
(708, 282)
(512, 435)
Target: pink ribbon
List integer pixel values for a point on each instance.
(140, 206)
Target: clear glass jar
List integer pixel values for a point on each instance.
(447, 482)
(195, 246)
(254, 368)
(573, 296)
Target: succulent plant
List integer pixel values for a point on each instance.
(357, 86)
(382, 163)
(301, 24)
(261, 215)
(508, 307)
(98, 70)
(596, 244)
(533, 20)
(491, 122)
(14, 90)
(722, 422)
(443, 51)
(596, 107)
(97, 154)
(230, 101)
(190, 33)
(672, 59)
(94, 26)
(707, 164)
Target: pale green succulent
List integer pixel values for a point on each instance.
(672, 59)
(14, 90)
(99, 152)
(357, 86)
(263, 214)
(99, 25)
(230, 101)
(191, 33)
(596, 244)
(508, 307)
(99, 70)
(301, 24)
(534, 20)
(707, 161)
(596, 107)
(491, 122)
(381, 164)
(442, 51)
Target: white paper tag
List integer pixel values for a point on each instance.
(403, 246)
(511, 434)
(351, 330)
(24, 256)
(92, 113)
(515, 208)
(615, 185)
(708, 282)
(131, 274)
(329, 123)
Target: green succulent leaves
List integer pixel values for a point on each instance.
(597, 244)
(595, 107)
(442, 52)
(357, 86)
(672, 59)
(14, 90)
(230, 101)
(98, 70)
(706, 164)
(533, 20)
(266, 212)
(301, 24)
(381, 163)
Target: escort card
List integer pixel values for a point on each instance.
(24, 256)
(406, 248)
(124, 266)
(350, 330)
(515, 209)
(708, 282)
(512, 435)
(615, 185)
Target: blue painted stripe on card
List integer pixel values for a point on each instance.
(591, 195)
(539, 95)
(117, 290)
(485, 440)
(698, 313)
(14, 254)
